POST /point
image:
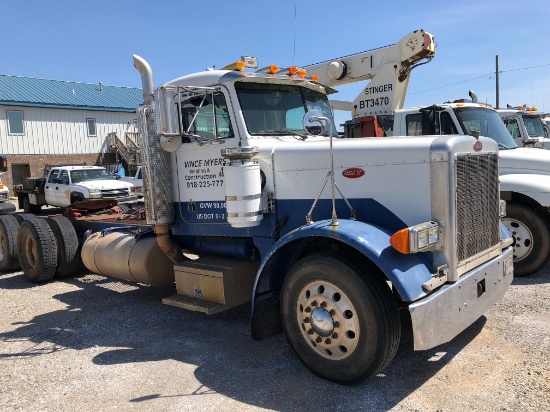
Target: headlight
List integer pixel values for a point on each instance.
(95, 194)
(418, 238)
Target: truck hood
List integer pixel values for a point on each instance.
(104, 184)
(524, 160)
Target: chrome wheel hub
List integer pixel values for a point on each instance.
(523, 238)
(328, 320)
(321, 322)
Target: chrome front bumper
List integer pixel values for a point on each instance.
(439, 317)
(124, 200)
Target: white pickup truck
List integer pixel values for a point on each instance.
(136, 180)
(65, 185)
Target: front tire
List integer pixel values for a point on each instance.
(531, 238)
(343, 327)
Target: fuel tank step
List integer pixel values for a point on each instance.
(195, 305)
(212, 284)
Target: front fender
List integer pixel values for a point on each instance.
(406, 272)
(536, 187)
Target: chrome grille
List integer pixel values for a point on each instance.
(477, 204)
(114, 193)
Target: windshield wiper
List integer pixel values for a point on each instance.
(281, 132)
(501, 146)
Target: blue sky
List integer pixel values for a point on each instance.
(93, 41)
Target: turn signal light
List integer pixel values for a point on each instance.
(400, 241)
(419, 238)
(1, 186)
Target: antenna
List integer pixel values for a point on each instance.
(294, 54)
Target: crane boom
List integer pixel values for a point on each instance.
(388, 68)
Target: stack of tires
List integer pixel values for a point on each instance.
(43, 248)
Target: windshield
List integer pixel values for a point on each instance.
(487, 123)
(533, 125)
(90, 174)
(277, 109)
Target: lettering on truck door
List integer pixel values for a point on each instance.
(201, 190)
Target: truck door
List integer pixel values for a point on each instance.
(51, 187)
(513, 127)
(57, 189)
(201, 191)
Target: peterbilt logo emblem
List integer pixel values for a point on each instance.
(353, 173)
(478, 146)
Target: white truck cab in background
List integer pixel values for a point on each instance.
(524, 173)
(526, 126)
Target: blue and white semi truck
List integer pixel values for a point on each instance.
(328, 238)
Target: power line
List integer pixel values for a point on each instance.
(524, 68)
(481, 77)
(452, 84)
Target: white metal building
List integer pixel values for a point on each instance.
(50, 121)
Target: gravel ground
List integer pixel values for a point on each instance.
(93, 343)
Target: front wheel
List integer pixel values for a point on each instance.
(531, 238)
(343, 327)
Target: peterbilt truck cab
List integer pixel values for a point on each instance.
(329, 236)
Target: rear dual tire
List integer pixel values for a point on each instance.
(37, 250)
(68, 249)
(8, 243)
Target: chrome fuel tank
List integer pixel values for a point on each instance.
(123, 256)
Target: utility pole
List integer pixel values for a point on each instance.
(497, 102)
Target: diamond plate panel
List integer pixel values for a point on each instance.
(159, 206)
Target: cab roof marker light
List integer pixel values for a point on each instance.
(273, 69)
(302, 73)
(246, 61)
(315, 79)
(292, 70)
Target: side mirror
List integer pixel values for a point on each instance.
(314, 123)
(3, 164)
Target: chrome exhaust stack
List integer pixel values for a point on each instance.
(159, 206)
